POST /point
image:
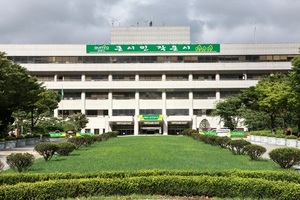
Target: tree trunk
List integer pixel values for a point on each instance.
(273, 117)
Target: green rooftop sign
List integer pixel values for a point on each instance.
(152, 48)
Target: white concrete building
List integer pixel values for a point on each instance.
(140, 84)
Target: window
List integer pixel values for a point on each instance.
(204, 77)
(204, 95)
(96, 77)
(177, 77)
(96, 95)
(146, 77)
(150, 111)
(72, 95)
(124, 112)
(177, 95)
(224, 94)
(123, 77)
(150, 95)
(177, 111)
(123, 95)
(91, 113)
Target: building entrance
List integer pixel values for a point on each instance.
(150, 128)
(124, 129)
(177, 128)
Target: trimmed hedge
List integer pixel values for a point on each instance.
(254, 151)
(290, 176)
(223, 187)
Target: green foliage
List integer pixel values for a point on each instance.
(223, 142)
(20, 162)
(79, 121)
(78, 141)
(46, 149)
(254, 151)
(10, 138)
(285, 157)
(189, 132)
(230, 111)
(237, 147)
(1, 165)
(13, 77)
(233, 184)
(65, 148)
(88, 140)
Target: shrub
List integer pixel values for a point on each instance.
(189, 132)
(65, 148)
(78, 141)
(88, 140)
(10, 138)
(285, 157)
(46, 149)
(223, 141)
(98, 138)
(20, 162)
(254, 151)
(237, 146)
(1, 165)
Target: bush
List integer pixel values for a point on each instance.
(223, 141)
(20, 162)
(254, 151)
(285, 157)
(88, 140)
(1, 165)
(189, 132)
(46, 149)
(10, 138)
(78, 141)
(237, 146)
(65, 148)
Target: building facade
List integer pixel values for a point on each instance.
(150, 87)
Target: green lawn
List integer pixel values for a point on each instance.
(150, 152)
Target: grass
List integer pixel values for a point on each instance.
(148, 153)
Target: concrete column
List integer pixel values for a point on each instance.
(83, 102)
(137, 113)
(55, 78)
(191, 103)
(110, 104)
(245, 76)
(83, 77)
(110, 78)
(163, 77)
(164, 113)
(190, 77)
(56, 112)
(218, 96)
(217, 77)
(194, 120)
(137, 77)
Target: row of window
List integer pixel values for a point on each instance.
(169, 77)
(148, 95)
(151, 59)
(131, 112)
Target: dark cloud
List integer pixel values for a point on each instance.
(215, 21)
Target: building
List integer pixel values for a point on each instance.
(140, 84)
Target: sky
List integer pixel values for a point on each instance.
(90, 21)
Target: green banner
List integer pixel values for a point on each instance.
(151, 117)
(152, 48)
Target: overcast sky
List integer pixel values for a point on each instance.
(89, 21)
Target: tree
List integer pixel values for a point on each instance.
(18, 90)
(230, 111)
(79, 120)
(294, 99)
(273, 93)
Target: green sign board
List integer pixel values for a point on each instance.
(151, 117)
(152, 48)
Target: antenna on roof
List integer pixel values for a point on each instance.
(255, 33)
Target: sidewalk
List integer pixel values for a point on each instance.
(28, 149)
(269, 148)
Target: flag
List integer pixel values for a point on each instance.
(62, 93)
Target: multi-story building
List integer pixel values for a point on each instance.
(149, 79)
